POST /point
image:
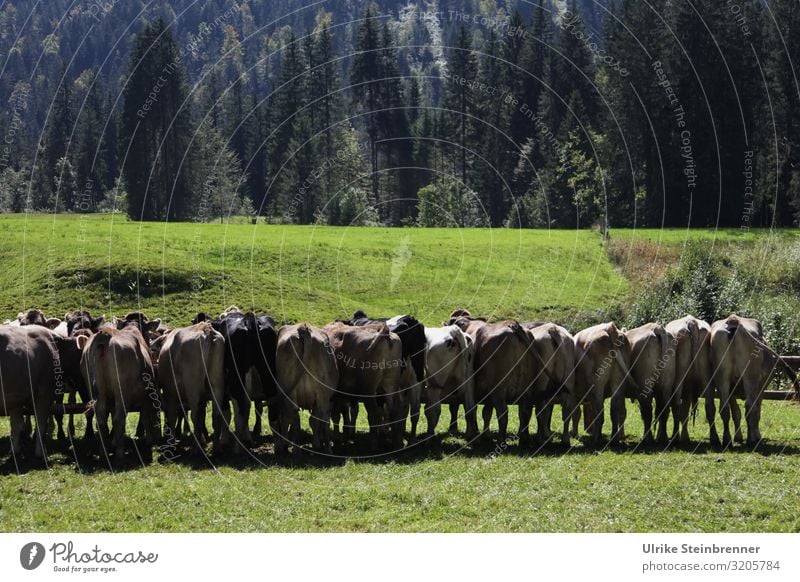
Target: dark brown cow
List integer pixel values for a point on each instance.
(35, 367)
(370, 362)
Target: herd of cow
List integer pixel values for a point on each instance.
(392, 366)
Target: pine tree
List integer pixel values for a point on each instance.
(288, 100)
(459, 99)
(156, 128)
(60, 127)
(365, 77)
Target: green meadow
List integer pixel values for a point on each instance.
(111, 266)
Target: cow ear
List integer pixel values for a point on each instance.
(81, 341)
(152, 325)
(52, 323)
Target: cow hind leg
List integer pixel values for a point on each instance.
(736, 413)
(725, 415)
(752, 407)
(433, 409)
(453, 417)
(17, 421)
(525, 414)
(374, 416)
(502, 420)
(258, 405)
(486, 413)
(118, 431)
(711, 414)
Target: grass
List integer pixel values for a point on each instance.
(299, 273)
(320, 274)
(454, 487)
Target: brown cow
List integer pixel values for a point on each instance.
(118, 372)
(370, 360)
(692, 366)
(602, 354)
(556, 349)
(742, 364)
(652, 367)
(191, 372)
(35, 367)
(307, 378)
(506, 364)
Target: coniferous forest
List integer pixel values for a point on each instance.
(501, 113)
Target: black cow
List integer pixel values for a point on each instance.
(250, 342)
(412, 338)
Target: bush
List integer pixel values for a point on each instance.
(350, 208)
(449, 203)
(695, 286)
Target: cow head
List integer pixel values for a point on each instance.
(32, 317)
(83, 320)
(148, 328)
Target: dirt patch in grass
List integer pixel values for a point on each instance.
(642, 262)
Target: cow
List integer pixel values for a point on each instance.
(250, 347)
(652, 367)
(307, 377)
(191, 371)
(742, 364)
(506, 364)
(118, 372)
(556, 382)
(35, 367)
(602, 354)
(369, 360)
(448, 365)
(412, 338)
(265, 388)
(80, 323)
(36, 317)
(692, 366)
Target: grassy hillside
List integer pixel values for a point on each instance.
(172, 271)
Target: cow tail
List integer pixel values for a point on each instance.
(558, 346)
(304, 335)
(694, 338)
(383, 333)
(98, 354)
(789, 371)
(621, 339)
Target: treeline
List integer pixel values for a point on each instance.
(439, 113)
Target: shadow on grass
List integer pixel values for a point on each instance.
(87, 456)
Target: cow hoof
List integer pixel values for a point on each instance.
(738, 438)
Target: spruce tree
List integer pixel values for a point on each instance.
(156, 128)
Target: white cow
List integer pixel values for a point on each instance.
(448, 370)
